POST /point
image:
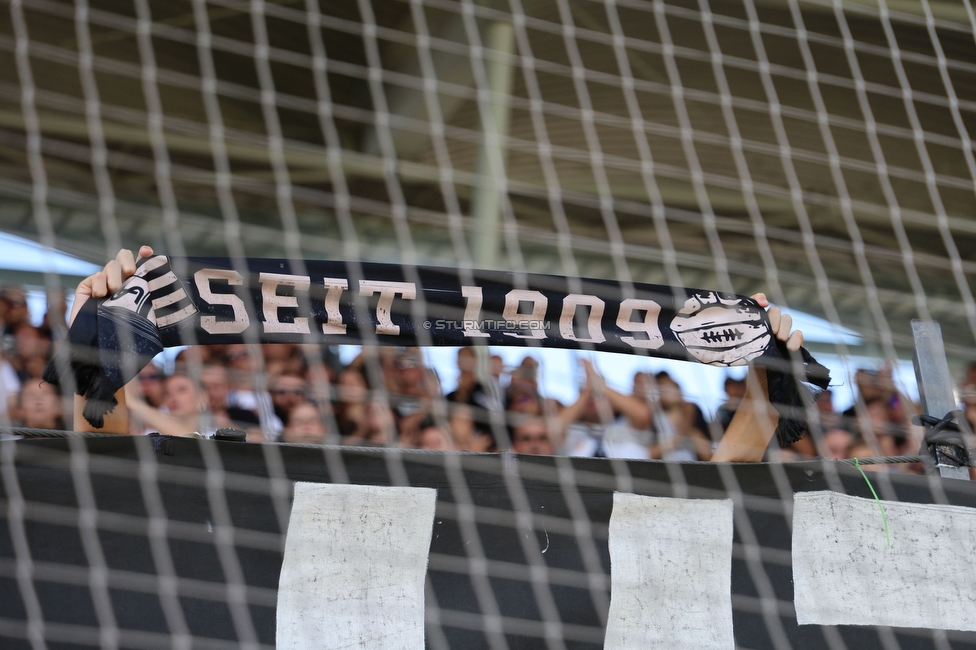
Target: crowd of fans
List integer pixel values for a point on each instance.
(389, 397)
(24, 351)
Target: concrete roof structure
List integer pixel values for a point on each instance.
(822, 155)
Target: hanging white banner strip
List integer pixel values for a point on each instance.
(844, 572)
(670, 573)
(354, 567)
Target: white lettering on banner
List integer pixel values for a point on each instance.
(272, 302)
(537, 315)
(202, 279)
(335, 287)
(384, 307)
(594, 326)
(353, 571)
(648, 326)
(472, 311)
(523, 315)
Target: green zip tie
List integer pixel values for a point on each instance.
(884, 517)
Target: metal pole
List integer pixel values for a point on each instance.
(486, 202)
(938, 400)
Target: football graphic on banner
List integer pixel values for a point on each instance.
(721, 331)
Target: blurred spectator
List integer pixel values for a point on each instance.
(526, 375)
(874, 422)
(871, 385)
(523, 399)
(435, 437)
(836, 443)
(13, 309)
(304, 425)
(281, 358)
(55, 319)
(969, 377)
(679, 427)
(860, 449)
(418, 387)
(522, 395)
(497, 365)
(32, 346)
(185, 398)
(317, 365)
(9, 389)
(603, 422)
(644, 387)
(470, 391)
(213, 376)
(466, 435)
(151, 383)
(186, 408)
(352, 395)
(735, 390)
(217, 354)
(238, 360)
(39, 405)
(4, 308)
(190, 360)
(378, 428)
(244, 375)
(967, 394)
(825, 410)
(532, 437)
(468, 385)
(378, 365)
(411, 376)
(882, 415)
(287, 392)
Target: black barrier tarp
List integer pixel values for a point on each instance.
(132, 482)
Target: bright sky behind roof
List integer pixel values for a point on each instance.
(21, 254)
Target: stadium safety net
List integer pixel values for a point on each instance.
(520, 179)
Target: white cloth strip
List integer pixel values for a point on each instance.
(152, 264)
(163, 281)
(354, 567)
(670, 573)
(176, 316)
(170, 298)
(844, 573)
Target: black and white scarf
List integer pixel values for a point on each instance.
(112, 339)
(212, 301)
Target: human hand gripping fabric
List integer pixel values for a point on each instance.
(781, 324)
(97, 286)
(109, 280)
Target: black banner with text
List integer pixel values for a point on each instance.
(211, 301)
(278, 301)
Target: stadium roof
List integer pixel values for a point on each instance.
(887, 245)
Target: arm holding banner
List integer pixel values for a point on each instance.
(755, 421)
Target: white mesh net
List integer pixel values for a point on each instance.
(816, 151)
